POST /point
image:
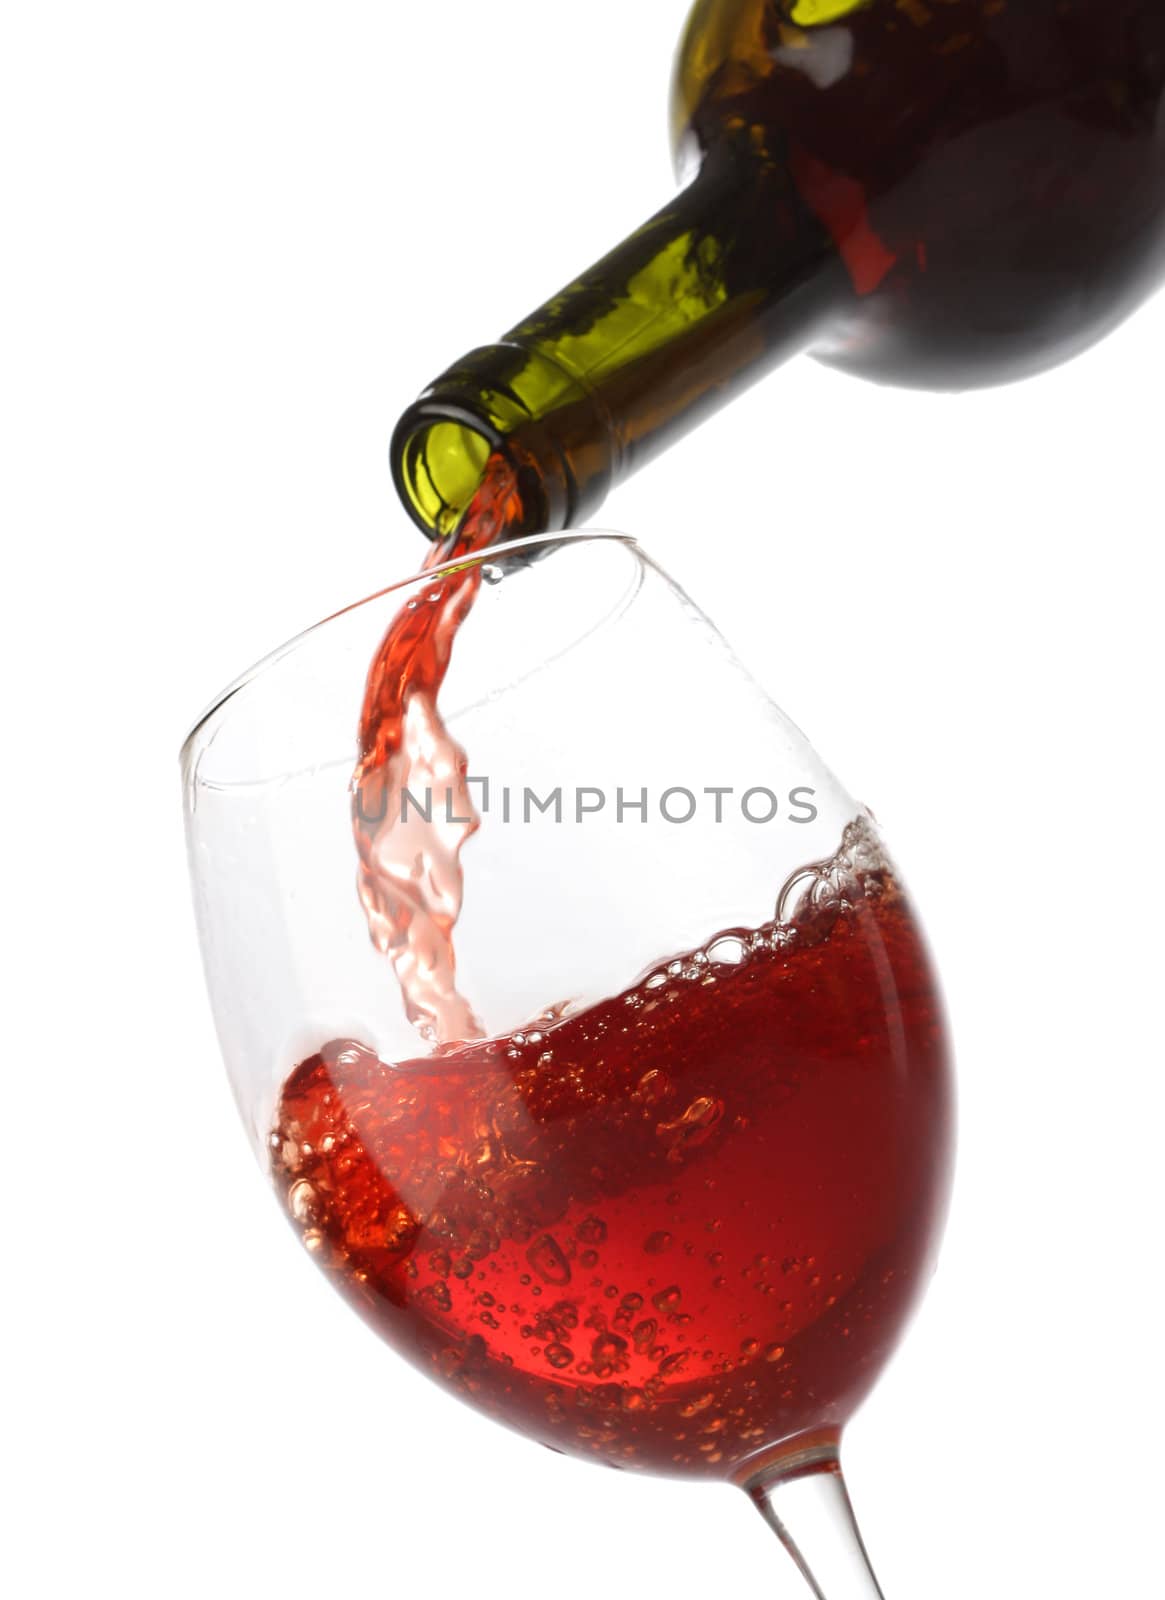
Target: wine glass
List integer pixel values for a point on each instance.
(671, 1202)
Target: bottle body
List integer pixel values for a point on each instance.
(992, 172)
(943, 193)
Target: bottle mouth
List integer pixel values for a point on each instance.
(513, 400)
(439, 457)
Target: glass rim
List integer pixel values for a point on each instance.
(491, 556)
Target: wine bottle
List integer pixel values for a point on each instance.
(938, 193)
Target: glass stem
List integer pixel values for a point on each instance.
(814, 1520)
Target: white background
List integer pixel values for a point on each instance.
(237, 239)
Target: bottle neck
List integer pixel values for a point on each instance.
(733, 277)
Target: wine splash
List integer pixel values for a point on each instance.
(675, 1230)
(410, 877)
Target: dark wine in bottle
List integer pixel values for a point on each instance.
(675, 1230)
(941, 193)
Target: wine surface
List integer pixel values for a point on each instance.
(673, 1231)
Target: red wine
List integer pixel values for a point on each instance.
(410, 877)
(675, 1230)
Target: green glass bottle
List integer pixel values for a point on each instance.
(941, 193)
